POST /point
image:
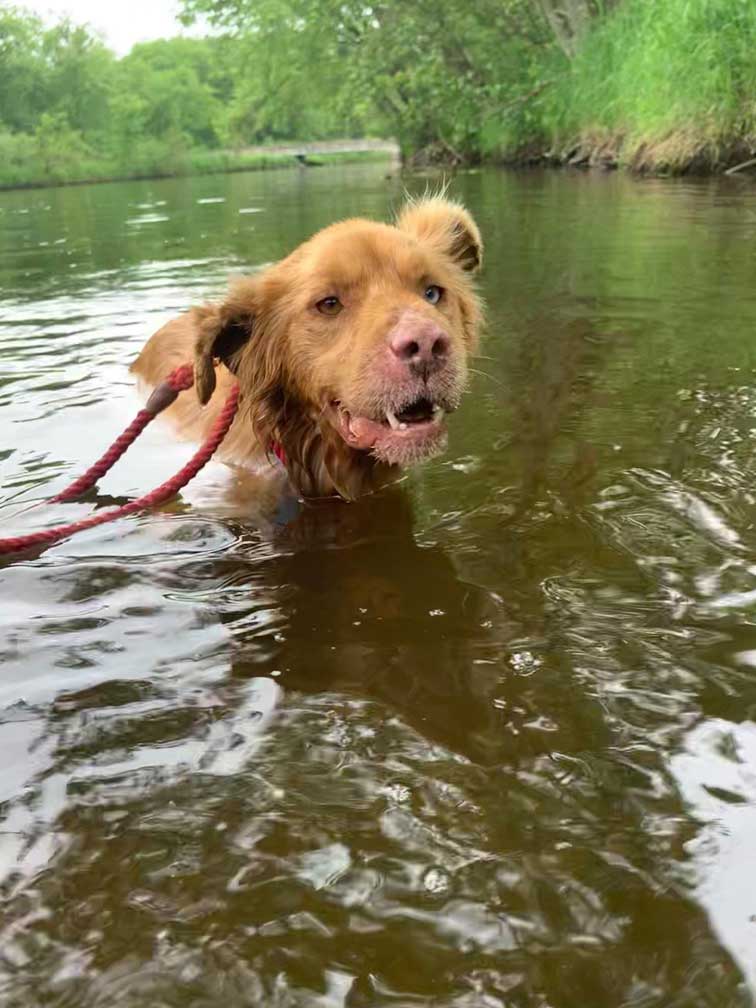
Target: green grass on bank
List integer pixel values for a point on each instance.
(659, 85)
(21, 165)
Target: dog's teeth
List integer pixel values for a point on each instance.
(438, 413)
(402, 426)
(393, 422)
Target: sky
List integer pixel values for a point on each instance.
(122, 22)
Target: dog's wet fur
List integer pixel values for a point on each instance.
(349, 352)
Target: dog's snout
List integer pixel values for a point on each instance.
(420, 344)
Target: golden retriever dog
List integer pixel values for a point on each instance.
(348, 353)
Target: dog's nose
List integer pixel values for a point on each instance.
(423, 346)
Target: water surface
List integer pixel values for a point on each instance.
(487, 740)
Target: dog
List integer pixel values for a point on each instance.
(348, 353)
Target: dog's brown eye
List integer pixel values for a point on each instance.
(329, 306)
(433, 294)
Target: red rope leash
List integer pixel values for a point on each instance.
(162, 397)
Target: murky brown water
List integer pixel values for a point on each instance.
(487, 741)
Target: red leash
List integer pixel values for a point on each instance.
(162, 397)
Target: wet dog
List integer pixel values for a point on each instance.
(349, 352)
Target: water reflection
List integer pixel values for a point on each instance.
(342, 769)
(481, 739)
(370, 613)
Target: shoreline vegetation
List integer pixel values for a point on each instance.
(652, 86)
(203, 162)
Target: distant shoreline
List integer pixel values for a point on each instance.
(222, 163)
(607, 152)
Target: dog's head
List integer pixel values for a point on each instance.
(350, 351)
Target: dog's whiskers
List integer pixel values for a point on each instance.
(485, 374)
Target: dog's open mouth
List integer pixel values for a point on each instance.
(421, 411)
(403, 435)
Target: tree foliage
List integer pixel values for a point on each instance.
(430, 72)
(570, 20)
(455, 80)
(62, 90)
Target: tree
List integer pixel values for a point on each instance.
(570, 20)
(168, 93)
(22, 68)
(64, 71)
(59, 149)
(79, 74)
(431, 72)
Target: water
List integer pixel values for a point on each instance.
(484, 741)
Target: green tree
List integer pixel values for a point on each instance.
(666, 83)
(59, 149)
(78, 78)
(22, 68)
(179, 86)
(570, 20)
(431, 72)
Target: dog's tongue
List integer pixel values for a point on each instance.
(363, 433)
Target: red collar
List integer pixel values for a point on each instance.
(278, 451)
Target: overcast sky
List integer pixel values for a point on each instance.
(123, 22)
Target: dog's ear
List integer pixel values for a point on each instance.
(448, 227)
(222, 332)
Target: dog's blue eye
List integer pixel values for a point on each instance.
(433, 294)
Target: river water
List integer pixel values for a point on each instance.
(487, 740)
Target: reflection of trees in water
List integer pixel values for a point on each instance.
(368, 611)
(370, 614)
(316, 846)
(558, 368)
(534, 791)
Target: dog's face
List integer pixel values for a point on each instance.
(357, 341)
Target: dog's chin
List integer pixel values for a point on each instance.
(401, 437)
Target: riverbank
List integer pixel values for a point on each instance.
(660, 87)
(653, 86)
(657, 88)
(199, 162)
(680, 152)
(677, 153)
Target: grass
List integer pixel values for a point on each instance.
(662, 85)
(20, 166)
